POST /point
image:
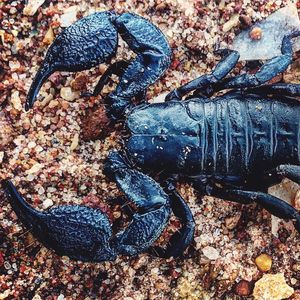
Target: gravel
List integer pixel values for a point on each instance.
(44, 153)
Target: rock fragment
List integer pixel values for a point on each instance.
(264, 262)
(95, 124)
(272, 286)
(32, 6)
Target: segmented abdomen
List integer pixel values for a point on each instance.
(239, 134)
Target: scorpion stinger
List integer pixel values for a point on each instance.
(93, 40)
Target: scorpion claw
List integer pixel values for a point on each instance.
(80, 232)
(83, 45)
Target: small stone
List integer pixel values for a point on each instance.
(47, 203)
(7, 133)
(35, 168)
(32, 6)
(161, 6)
(6, 294)
(95, 124)
(67, 94)
(264, 262)
(75, 142)
(16, 101)
(272, 286)
(49, 37)
(69, 16)
(232, 221)
(245, 21)
(255, 33)
(297, 200)
(80, 82)
(31, 145)
(160, 98)
(53, 104)
(1, 156)
(211, 252)
(14, 65)
(233, 22)
(243, 288)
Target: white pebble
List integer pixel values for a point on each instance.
(67, 94)
(47, 203)
(211, 252)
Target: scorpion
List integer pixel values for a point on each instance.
(233, 146)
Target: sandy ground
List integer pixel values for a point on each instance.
(43, 152)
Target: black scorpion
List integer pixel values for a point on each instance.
(232, 147)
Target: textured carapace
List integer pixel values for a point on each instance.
(232, 147)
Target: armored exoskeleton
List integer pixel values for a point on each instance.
(232, 146)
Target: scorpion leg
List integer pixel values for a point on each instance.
(153, 58)
(86, 43)
(274, 205)
(207, 80)
(268, 71)
(291, 172)
(181, 239)
(152, 202)
(286, 89)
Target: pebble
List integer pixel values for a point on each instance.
(1, 156)
(232, 221)
(297, 200)
(80, 82)
(75, 142)
(243, 288)
(47, 203)
(255, 33)
(233, 22)
(14, 65)
(67, 94)
(32, 6)
(272, 286)
(69, 16)
(211, 252)
(264, 262)
(35, 168)
(49, 37)
(16, 101)
(31, 145)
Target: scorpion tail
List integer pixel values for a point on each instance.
(42, 75)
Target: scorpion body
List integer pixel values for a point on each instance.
(234, 137)
(232, 147)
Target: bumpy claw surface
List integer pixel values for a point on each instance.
(83, 45)
(80, 232)
(84, 233)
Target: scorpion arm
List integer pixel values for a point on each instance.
(152, 203)
(181, 239)
(85, 234)
(274, 205)
(207, 80)
(153, 58)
